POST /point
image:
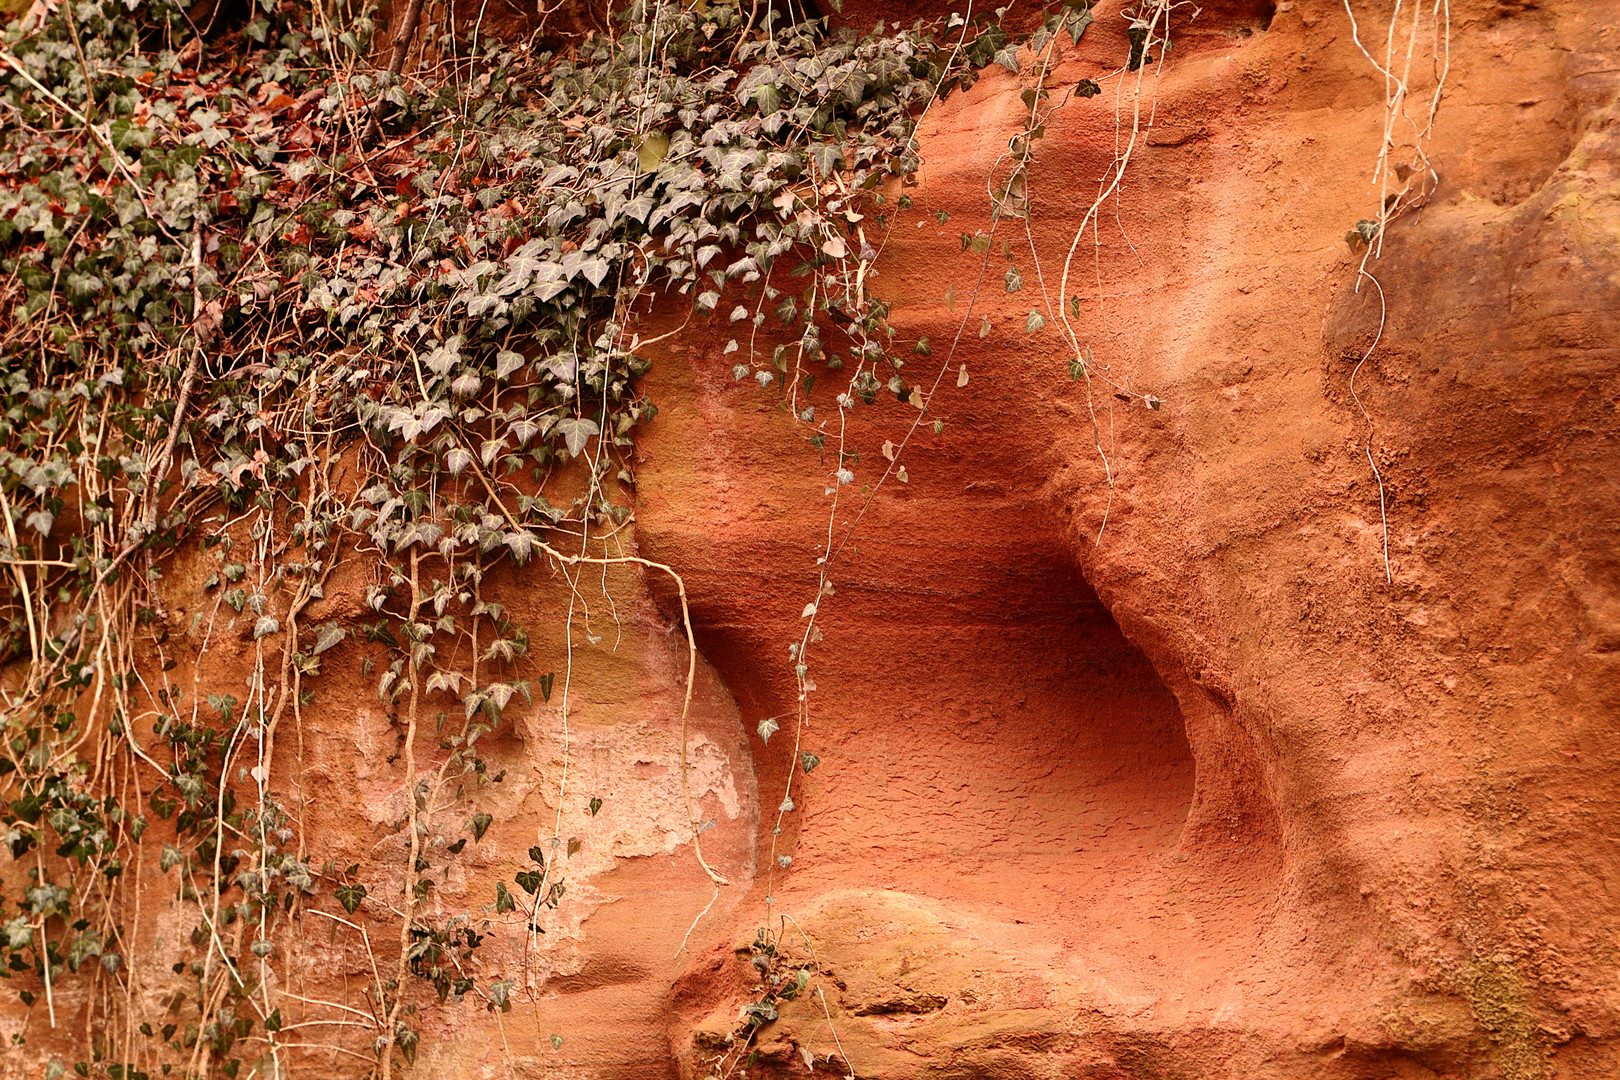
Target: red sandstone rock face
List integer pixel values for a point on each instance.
(1195, 794)
(1206, 796)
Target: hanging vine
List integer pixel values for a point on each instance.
(271, 301)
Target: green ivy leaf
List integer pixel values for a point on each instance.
(1077, 22)
(500, 992)
(350, 896)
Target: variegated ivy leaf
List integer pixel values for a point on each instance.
(445, 357)
(445, 680)
(329, 635)
(525, 429)
(576, 433)
(521, 544)
(506, 362)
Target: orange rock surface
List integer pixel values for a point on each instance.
(1200, 792)
(1138, 756)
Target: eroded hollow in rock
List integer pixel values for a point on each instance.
(1019, 755)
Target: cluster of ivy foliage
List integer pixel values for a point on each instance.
(264, 300)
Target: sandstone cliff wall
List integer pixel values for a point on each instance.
(1138, 757)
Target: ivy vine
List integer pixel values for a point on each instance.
(270, 302)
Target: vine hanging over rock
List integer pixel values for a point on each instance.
(268, 301)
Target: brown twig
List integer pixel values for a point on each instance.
(396, 64)
(149, 519)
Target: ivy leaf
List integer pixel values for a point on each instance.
(1137, 34)
(480, 825)
(545, 684)
(1007, 57)
(457, 460)
(529, 880)
(573, 845)
(1015, 281)
(503, 899)
(521, 544)
(525, 429)
(576, 433)
(595, 805)
(1077, 24)
(350, 896)
(264, 627)
(327, 636)
(445, 357)
(1087, 89)
(507, 362)
(650, 154)
(500, 992)
(1034, 322)
(828, 158)
(767, 99)
(767, 728)
(809, 761)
